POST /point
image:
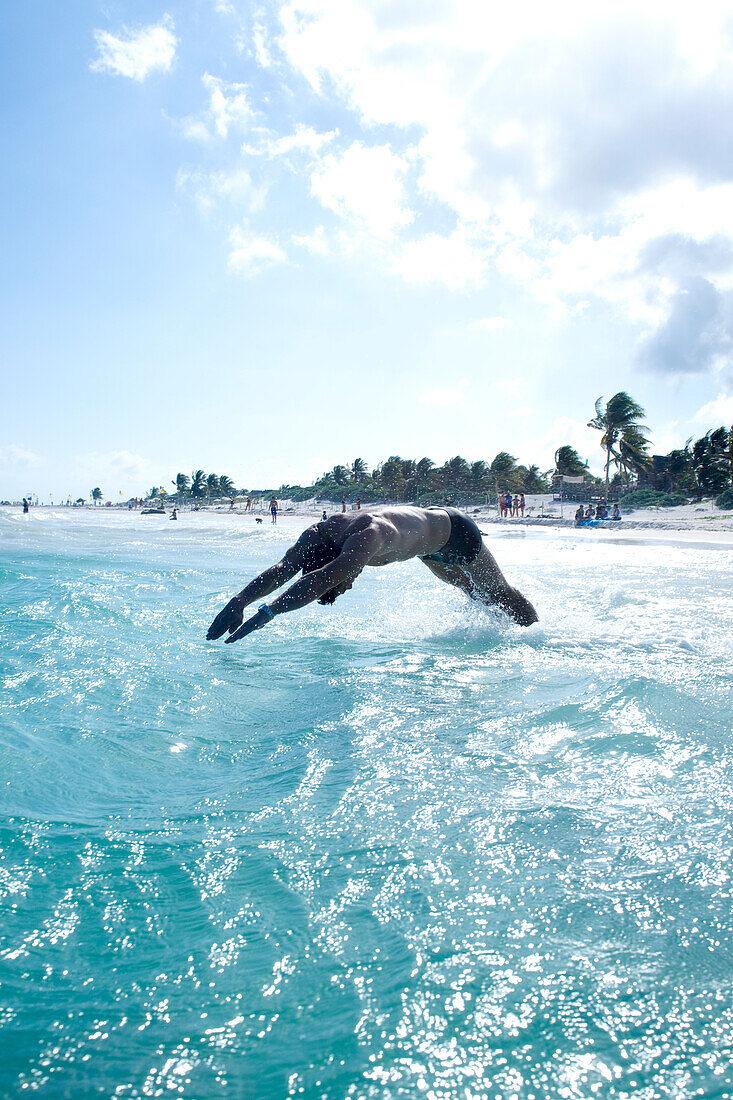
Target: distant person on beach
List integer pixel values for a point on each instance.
(579, 515)
(325, 514)
(515, 507)
(332, 554)
(521, 504)
(26, 506)
(273, 509)
(358, 504)
(616, 512)
(175, 514)
(589, 512)
(502, 506)
(248, 506)
(343, 505)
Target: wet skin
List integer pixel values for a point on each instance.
(371, 537)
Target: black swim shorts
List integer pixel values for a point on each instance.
(464, 543)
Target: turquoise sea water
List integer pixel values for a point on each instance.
(393, 848)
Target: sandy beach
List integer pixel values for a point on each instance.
(700, 522)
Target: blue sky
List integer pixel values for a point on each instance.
(266, 238)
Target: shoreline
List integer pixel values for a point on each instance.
(709, 530)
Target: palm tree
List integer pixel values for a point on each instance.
(534, 481)
(620, 418)
(502, 470)
(212, 485)
(457, 473)
(226, 486)
(710, 456)
(479, 476)
(568, 461)
(96, 494)
(182, 485)
(359, 470)
(391, 477)
(198, 483)
(632, 451)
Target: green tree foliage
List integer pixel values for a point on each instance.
(391, 478)
(703, 467)
(198, 484)
(182, 484)
(534, 481)
(340, 475)
(359, 471)
(96, 494)
(710, 456)
(569, 462)
(502, 468)
(620, 421)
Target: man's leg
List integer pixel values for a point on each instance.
(483, 580)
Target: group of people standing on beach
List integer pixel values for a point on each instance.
(511, 506)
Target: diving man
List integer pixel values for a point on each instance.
(333, 553)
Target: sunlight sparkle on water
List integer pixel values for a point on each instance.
(393, 848)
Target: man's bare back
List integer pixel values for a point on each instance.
(333, 553)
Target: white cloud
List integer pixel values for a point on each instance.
(715, 412)
(444, 395)
(304, 139)
(453, 261)
(364, 185)
(559, 195)
(249, 253)
(136, 54)
(211, 188)
(314, 242)
(19, 457)
(578, 151)
(229, 109)
(229, 105)
(489, 324)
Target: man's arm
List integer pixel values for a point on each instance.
(231, 616)
(355, 554)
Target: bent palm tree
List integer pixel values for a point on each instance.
(619, 421)
(569, 462)
(633, 451)
(181, 483)
(198, 483)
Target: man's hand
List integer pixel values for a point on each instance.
(254, 623)
(228, 619)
